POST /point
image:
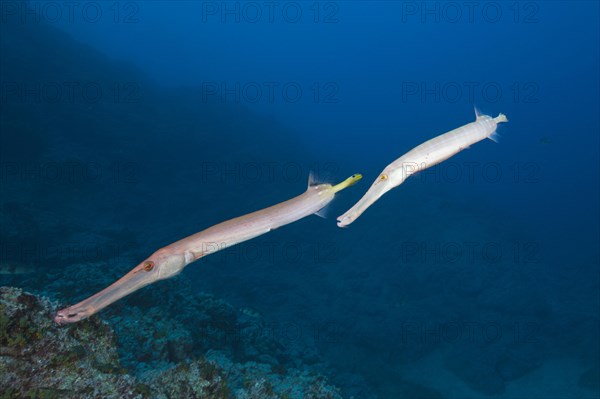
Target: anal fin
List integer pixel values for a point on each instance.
(323, 212)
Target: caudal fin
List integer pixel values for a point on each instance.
(501, 118)
(495, 137)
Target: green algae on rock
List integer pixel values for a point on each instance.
(39, 359)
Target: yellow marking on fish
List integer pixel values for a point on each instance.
(347, 183)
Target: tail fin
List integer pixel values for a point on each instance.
(501, 118)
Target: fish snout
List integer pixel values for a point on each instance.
(69, 315)
(346, 219)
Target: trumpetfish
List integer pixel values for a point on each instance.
(422, 157)
(170, 260)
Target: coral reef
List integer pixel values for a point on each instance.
(253, 380)
(40, 359)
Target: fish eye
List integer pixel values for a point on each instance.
(148, 265)
(383, 177)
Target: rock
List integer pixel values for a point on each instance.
(82, 360)
(39, 358)
(197, 379)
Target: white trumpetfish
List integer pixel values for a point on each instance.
(170, 260)
(422, 157)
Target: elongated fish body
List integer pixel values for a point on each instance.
(170, 260)
(254, 224)
(422, 157)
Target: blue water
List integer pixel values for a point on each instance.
(129, 125)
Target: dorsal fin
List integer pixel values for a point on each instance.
(312, 179)
(477, 112)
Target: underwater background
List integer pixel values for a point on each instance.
(127, 125)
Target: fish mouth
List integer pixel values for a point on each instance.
(72, 314)
(132, 281)
(377, 189)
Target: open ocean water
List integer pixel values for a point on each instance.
(128, 125)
